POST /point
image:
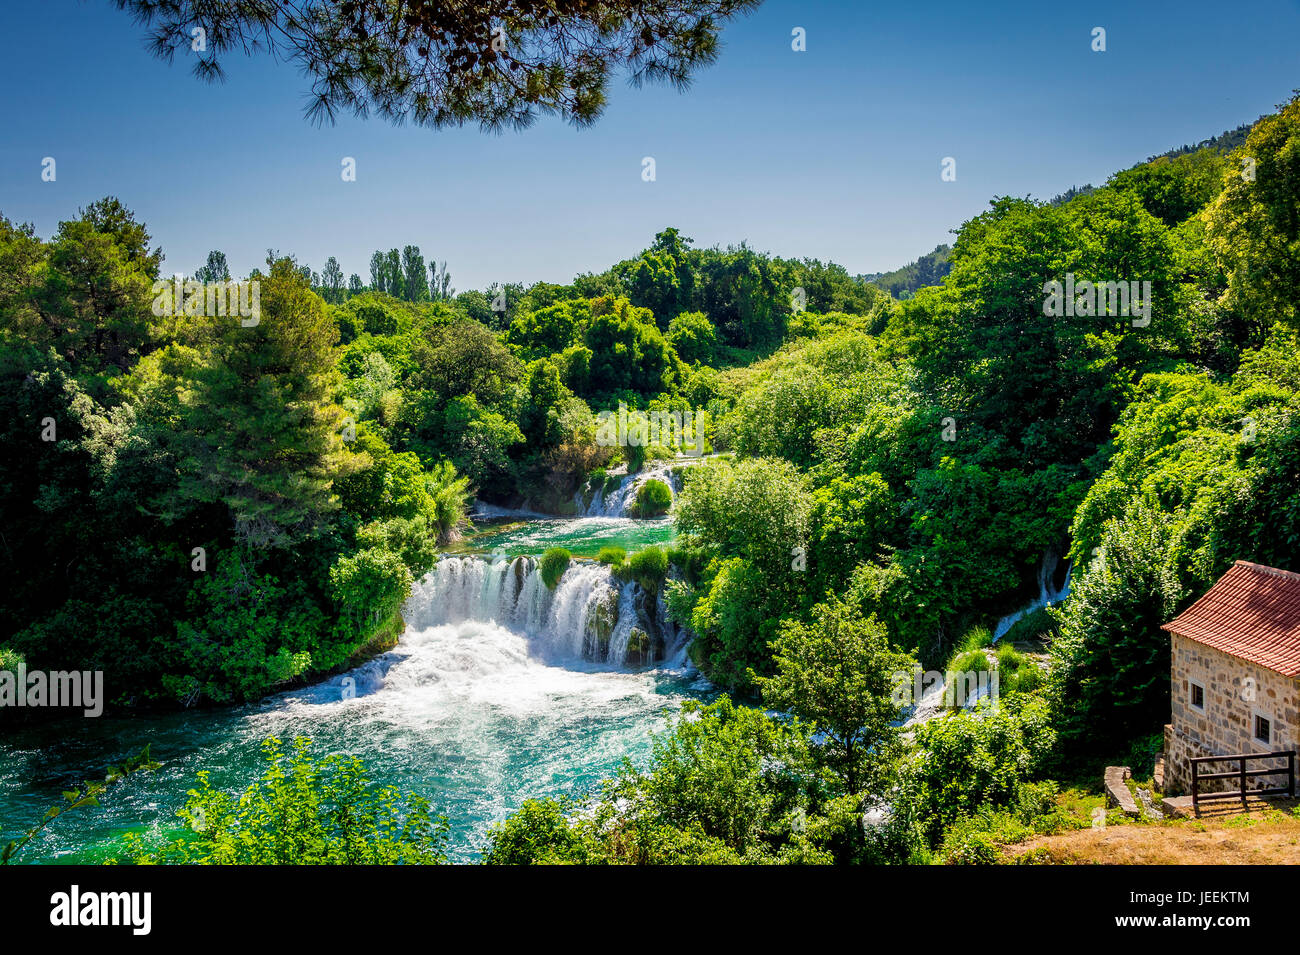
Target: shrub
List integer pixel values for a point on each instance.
(1142, 755)
(613, 556)
(10, 659)
(966, 761)
(975, 840)
(975, 638)
(1009, 658)
(653, 498)
(680, 558)
(553, 565)
(302, 811)
(649, 567)
(1109, 679)
(971, 661)
(1017, 672)
(539, 833)
(1028, 678)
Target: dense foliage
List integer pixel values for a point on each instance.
(301, 811)
(891, 477)
(900, 477)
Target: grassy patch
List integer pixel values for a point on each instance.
(553, 565)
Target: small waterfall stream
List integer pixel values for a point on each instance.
(1048, 594)
(618, 501)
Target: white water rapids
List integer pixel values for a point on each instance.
(589, 616)
(501, 690)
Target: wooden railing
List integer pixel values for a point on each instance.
(1242, 774)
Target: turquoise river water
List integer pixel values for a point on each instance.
(476, 709)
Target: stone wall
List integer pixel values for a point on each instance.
(1235, 691)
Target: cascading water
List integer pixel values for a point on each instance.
(500, 690)
(618, 501)
(590, 615)
(1048, 594)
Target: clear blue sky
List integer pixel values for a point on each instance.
(834, 152)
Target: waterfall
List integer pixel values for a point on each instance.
(619, 500)
(1048, 594)
(590, 615)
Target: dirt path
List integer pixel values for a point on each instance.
(1271, 838)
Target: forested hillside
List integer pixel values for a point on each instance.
(216, 508)
(929, 269)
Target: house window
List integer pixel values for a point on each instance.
(1263, 731)
(1198, 696)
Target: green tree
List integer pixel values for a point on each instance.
(415, 283)
(440, 289)
(966, 761)
(726, 784)
(465, 359)
(540, 833)
(693, 336)
(94, 296)
(628, 352)
(837, 674)
(1254, 224)
(757, 508)
(263, 433)
(332, 280)
(215, 270)
(1109, 677)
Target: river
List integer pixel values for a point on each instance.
(492, 696)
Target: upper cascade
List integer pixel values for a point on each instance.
(605, 501)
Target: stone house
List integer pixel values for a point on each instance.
(1235, 676)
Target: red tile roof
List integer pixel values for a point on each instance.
(1253, 612)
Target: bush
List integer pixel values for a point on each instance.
(1028, 678)
(1142, 755)
(649, 567)
(302, 811)
(975, 840)
(1009, 658)
(10, 659)
(613, 556)
(653, 498)
(1017, 672)
(967, 761)
(538, 833)
(553, 565)
(734, 618)
(975, 639)
(1109, 679)
(971, 661)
